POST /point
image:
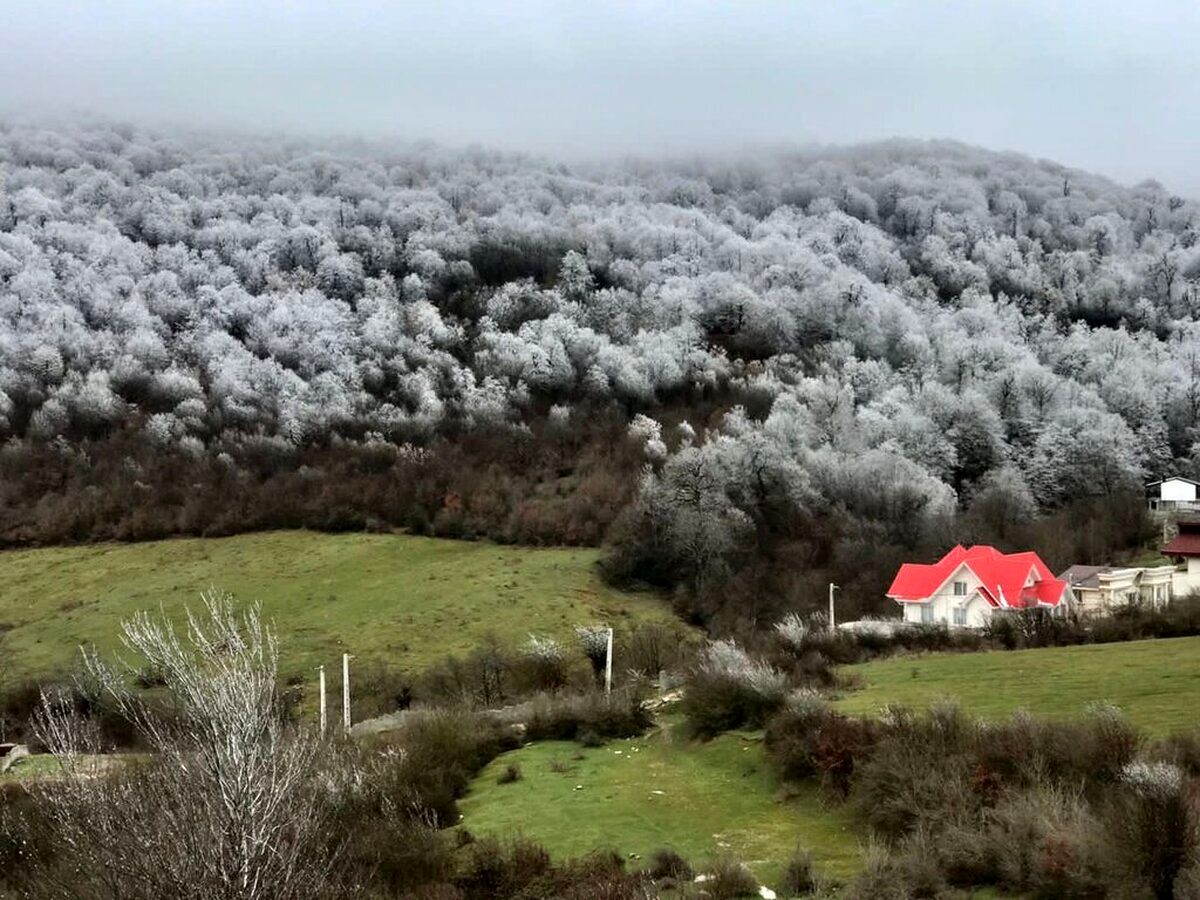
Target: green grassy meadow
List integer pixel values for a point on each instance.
(1156, 682)
(397, 598)
(40, 765)
(638, 795)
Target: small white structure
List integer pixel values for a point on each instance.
(1172, 493)
(1097, 590)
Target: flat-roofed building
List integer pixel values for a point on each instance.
(1101, 589)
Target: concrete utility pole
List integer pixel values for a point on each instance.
(321, 681)
(608, 664)
(832, 587)
(346, 692)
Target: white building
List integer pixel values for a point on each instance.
(1172, 493)
(1101, 589)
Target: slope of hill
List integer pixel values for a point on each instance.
(636, 796)
(404, 600)
(1156, 683)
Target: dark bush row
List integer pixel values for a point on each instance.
(545, 486)
(1044, 809)
(492, 676)
(811, 660)
(19, 701)
(590, 718)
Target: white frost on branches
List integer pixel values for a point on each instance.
(225, 809)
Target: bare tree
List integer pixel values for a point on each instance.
(225, 808)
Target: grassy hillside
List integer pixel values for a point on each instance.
(638, 795)
(1157, 683)
(407, 600)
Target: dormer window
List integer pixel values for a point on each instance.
(960, 589)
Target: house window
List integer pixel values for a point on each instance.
(960, 615)
(960, 589)
(926, 615)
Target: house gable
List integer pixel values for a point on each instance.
(1175, 489)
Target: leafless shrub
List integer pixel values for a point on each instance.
(798, 875)
(542, 665)
(1155, 825)
(225, 808)
(668, 863)
(1043, 841)
(509, 774)
(728, 689)
(546, 649)
(594, 639)
(793, 630)
(728, 878)
(652, 649)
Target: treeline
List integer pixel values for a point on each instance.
(730, 568)
(564, 489)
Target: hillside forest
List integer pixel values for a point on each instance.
(744, 376)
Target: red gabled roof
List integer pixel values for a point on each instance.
(1185, 543)
(1002, 577)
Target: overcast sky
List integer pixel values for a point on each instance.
(1113, 87)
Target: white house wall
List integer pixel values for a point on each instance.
(1089, 600)
(1177, 491)
(943, 603)
(1187, 581)
(1153, 587)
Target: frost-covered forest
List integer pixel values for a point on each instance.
(708, 362)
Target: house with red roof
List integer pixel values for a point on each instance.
(1184, 548)
(967, 586)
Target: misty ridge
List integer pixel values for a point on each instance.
(695, 358)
